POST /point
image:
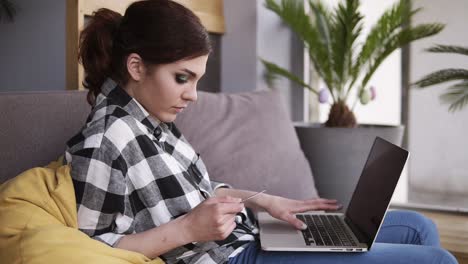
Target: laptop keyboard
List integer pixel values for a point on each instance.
(325, 230)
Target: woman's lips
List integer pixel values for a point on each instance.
(179, 109)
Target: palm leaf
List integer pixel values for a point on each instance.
(347, 26)
(323, 28)
(388, 24)
(456, 96)
(404, 37)
(293, 14)
(449, 49)
(331, 36)
(288, 11)
(273, 70)
(7, 10)
(442, 76)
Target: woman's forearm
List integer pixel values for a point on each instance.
(212, 219)
(156, 241)
(258, 203)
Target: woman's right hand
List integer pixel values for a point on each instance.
(213, 219)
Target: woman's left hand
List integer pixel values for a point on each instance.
(284, 209)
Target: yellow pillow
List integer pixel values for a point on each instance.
(38, 223)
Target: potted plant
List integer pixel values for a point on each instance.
(457, 94)
(337, 150)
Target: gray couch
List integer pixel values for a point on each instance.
(246, 139)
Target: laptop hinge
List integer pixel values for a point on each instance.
(360, 235)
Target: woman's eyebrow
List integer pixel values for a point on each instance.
(190, 72)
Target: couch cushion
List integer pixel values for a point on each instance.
(247, 140)
(36, 126)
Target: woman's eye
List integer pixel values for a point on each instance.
(181, 78)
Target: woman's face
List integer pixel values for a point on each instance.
(165, 90)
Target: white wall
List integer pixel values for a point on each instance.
(239, 46)
(438, 139)
(253, 32)
(277, 43)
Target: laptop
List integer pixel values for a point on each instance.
(357, 228)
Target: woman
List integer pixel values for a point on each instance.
(139, 184)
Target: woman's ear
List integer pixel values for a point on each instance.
(135, 66)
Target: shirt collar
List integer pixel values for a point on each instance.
(118, 96)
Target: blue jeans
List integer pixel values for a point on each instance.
(405, 237)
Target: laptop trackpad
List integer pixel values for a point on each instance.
(278, 228)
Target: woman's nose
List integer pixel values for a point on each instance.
(191, 94)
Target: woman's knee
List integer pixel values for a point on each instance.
(426, 228)
(422, 220)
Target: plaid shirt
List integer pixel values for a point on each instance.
(132, 173)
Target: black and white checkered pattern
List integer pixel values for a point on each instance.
(132, 173)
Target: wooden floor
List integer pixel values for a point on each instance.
(462, 258)
(453, 230)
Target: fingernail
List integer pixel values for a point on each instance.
(304, 226)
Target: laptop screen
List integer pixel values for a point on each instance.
(374, 190)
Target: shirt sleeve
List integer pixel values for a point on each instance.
(101, 193)
(216, 185)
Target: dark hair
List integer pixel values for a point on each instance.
(160, 31)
